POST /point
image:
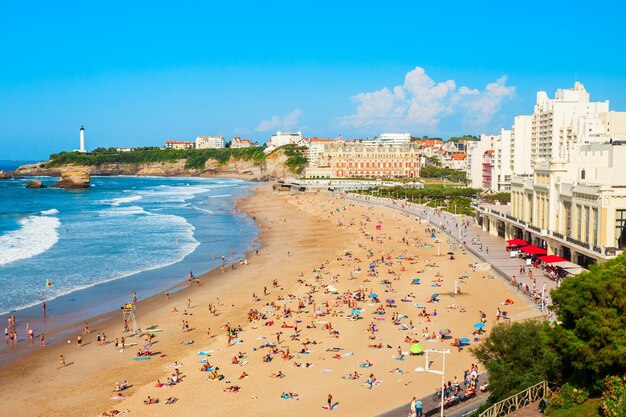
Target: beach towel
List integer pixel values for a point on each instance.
(326, 371)
(142, 358)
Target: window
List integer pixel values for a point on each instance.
(582, 174)
(594, 230)
(579, 219)
(620, 228)
(568, 218)
(587, 224)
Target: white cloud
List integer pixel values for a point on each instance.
(420, 102)
(286, 122)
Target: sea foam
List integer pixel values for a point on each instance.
(36, 235)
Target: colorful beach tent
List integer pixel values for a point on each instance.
(534, 250)
(551, 259)
(517, 242)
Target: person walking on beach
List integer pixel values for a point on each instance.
(79, 340)
(418, 408)
(43, 308)
(61, 362)
(330, 401)
(42, 340)
(86, 331)
(413, 412)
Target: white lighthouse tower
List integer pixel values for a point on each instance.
(82, 140)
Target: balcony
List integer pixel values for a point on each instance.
(535, 228)
(577, 242)
(559, 235)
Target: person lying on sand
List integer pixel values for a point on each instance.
(151, 401)
(278, 374)
(232, 388)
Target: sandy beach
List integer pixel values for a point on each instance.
(328, 256)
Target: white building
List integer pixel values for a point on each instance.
(520, 146)
(557, 124)
(237, 143)
(390, 139)
(210, 142)
(284, 138)
(575, 210)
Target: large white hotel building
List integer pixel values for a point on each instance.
(565, 166)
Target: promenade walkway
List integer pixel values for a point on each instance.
(432, 408)
(464, 228)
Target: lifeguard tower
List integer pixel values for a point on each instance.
(130, 319)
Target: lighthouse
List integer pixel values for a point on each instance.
(82, 140)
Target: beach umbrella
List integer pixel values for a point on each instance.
(356, 312)
(372, 266)
(445, 331)
(435, 295)
(479, 325)
(416, 349)
(373, 296)
(416, 280)
(464, 340)
(450, 253)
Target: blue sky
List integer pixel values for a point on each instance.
(137, 73)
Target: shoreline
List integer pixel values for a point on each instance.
(76, 306)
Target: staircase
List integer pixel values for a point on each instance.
(528, 397)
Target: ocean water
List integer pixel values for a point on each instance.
(115, 232)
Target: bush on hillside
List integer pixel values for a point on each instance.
(612, 403)
(567, 397)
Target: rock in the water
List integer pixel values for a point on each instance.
(34, 184)
(76, 178)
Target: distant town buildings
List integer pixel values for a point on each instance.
(360, 159)
(279, 139)
(210, 142)
(237, 143)
(175, 144)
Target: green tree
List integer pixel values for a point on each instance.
(591, 337)
(516, 357)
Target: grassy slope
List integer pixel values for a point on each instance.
(587, 409)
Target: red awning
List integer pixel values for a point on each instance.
(517, 242)
(534, 250)
(551, 259)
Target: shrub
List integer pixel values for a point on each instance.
(612, 403)
(567, 397)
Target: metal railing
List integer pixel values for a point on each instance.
(517, 401)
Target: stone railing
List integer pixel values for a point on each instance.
(535, 228)
(517, 401)
(559, 235)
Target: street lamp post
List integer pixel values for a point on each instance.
(442, 372)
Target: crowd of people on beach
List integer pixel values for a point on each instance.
(391, 287)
